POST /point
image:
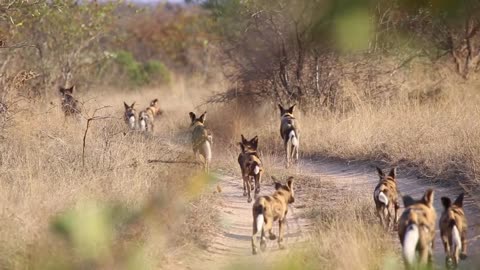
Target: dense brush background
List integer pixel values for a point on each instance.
(389, 81)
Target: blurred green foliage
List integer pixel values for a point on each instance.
(140, 74)
(156, 69)
(133, 69)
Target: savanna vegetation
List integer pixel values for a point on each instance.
(390, 81)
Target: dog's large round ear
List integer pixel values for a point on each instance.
(291, 109)
(459, 200)
(446, 202)
(203, 117)
(290, 182)
(126, 105)
(393, 173)
(428, 197)
(61, 89)
(243, 138)
(242, 147)
(407, 201)
(277, 185)
(192, 116)
(255, 142)
(133, 104)
(380, 172)
(71, 89)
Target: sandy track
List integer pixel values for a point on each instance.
(362, 179)
(231, 245)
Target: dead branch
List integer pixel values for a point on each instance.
(172, 161)
(90, 119)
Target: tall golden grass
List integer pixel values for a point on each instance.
(426, 122)
(158, 211)
(150, 213)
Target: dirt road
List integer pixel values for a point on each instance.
(231, 245)
(363, 179)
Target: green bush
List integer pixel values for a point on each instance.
(134, 70)
(140, 74)
(157, 71)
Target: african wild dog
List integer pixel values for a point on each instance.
(268, 209)
(129, 115)
(385, 196)
(147, 116)
(70, 105)
(250, 165)
(416, 230)
(201, 140)
(453, 230)
(289, 134)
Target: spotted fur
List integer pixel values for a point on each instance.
(268, 209)
(385, 197)
(250, 166)
(289, 134)
(416, 230)
(453, 230)
(70, 105)
(201, 139)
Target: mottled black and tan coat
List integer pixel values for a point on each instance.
(268, 209)
(250, 166)
(385, 197)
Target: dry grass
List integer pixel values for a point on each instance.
(437, 131)
(348, 237)
(154, 211)
(43, 176)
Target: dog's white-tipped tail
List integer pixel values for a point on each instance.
(410, 242)
(207, 151)
(260, 223)
(293, 138)
(256, 170)
(131, 122)
(382, 197)
(143, 124)
(457, 241)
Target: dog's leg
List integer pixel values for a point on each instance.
(430, 256)
(254, 236)
(263, 241)
(446, 247)
(246, 178)
(391, 217)
(257, 183)
(382, 215)
(287, 154)
(386, 218)
(423, 255)
(206, 165)
(266, 228)
(281, 223)
(195, 154)
(463, 254)
(292, 153)
(395, 221)
(296, 151)
(377, 210)
(269, 229)
(244, 185)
